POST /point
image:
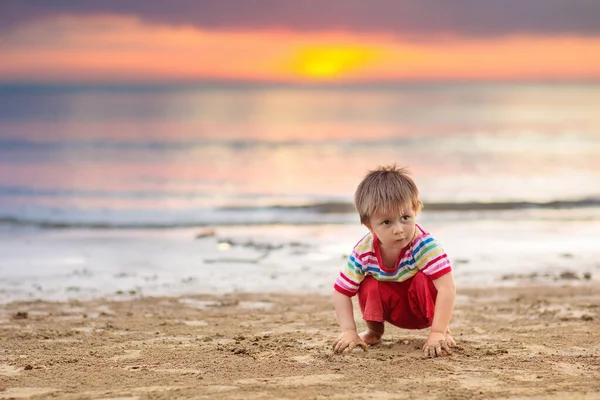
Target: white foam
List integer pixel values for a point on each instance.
(122, 264)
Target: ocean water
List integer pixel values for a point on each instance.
(205, 155)
(103, 190)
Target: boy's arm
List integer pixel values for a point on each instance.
(444, 305)
(349, 337)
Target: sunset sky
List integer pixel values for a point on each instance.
(298, 41)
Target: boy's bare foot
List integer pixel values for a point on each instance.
(371, 337)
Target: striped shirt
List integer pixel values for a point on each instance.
(424, 254)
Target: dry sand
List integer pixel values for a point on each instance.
(539, 342)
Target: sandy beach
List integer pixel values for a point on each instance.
(530, 341)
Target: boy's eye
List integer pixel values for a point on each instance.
(406, 218)
(386, 222)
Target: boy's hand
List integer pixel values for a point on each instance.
(348, 340)
(438, 343)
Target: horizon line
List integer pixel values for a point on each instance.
(299, 84)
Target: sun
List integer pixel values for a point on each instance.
(328, 63)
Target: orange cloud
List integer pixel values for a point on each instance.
(117, 48)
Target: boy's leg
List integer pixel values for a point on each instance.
(409, 304)
(421, 296)
(369, 299)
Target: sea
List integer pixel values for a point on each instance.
(130, 190)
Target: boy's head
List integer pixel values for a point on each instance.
(386, 189)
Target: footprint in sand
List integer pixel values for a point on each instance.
(24, 392)
(9, 370)
(195, 323)
(129, 355)
(303, 359)
(476, 383)
(130, 394)
(184, 371)
(298, 380)
(120, 398)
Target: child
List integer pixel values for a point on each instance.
(401, 274)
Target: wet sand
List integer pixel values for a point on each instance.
(533, 342)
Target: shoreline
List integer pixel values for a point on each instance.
(533, 341)
(86, 264)
(301, 215)
(557, 279)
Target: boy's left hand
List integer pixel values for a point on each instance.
(438, 343)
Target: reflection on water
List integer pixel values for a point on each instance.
(184, 149)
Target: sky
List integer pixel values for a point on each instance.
(309, 41)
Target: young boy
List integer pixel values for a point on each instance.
(401, 274)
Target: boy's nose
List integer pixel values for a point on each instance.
(397, 228)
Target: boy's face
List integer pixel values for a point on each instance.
(395, 230)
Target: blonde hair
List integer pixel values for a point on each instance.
(386, 189)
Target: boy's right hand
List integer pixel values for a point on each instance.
(348, 340)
